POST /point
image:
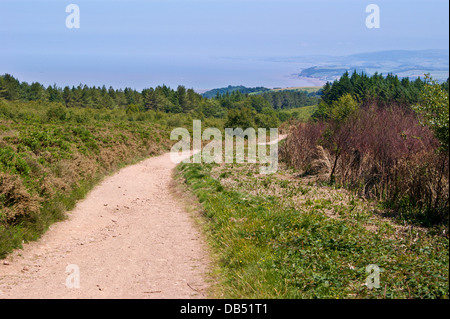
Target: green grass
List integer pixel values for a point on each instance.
(282, 237)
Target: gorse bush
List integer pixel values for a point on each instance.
(50, 156)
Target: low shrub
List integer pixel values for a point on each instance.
(381, 153)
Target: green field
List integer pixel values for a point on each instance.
(307, 89)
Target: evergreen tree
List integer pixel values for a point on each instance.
(182, 98)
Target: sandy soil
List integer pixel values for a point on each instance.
(129, 238)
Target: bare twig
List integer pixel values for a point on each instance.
(195, 289)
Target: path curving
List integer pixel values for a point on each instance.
(129, 238)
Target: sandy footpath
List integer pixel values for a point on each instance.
(129, 238)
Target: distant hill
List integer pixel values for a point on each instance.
(402, 63)
(245, 90)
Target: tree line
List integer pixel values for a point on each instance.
(230, 106)
(161, 98)
(229, 89)
(376, 89)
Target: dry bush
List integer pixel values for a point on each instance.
(302, 149)
(15, 200)
(381, 153)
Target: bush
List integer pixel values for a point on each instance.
(15, 201)
(57, 112)
(434, 111)
(343, 108)
(302, 149)
(243, 118)
(380, 153)
(132, 108)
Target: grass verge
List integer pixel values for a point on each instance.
(280, 236)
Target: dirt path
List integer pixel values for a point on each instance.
(130, 238)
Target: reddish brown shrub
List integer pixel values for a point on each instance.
(382, 153)
(302, 149)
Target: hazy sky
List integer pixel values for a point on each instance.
(201, 43)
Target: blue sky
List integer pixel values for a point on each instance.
(201, 43)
